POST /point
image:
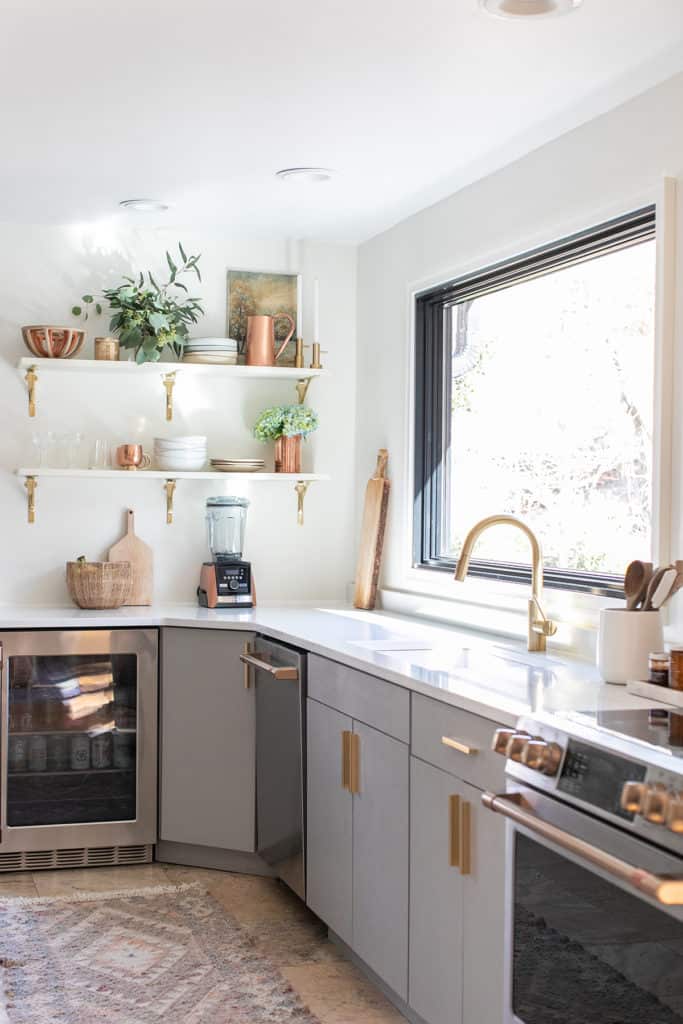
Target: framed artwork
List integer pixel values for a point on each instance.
(258, 292)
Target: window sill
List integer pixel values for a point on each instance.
(494, 606)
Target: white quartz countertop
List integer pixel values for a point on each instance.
(495, 678)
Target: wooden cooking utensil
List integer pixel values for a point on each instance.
(372, 534)
(663, 588)
(636, 579)
(131, 549)
(652, 586)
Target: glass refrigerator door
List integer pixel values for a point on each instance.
(72, 747)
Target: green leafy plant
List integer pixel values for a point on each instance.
(149, 316)
(285, 421)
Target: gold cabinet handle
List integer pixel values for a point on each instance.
(346, 759)
(247, 674)
(466, 838)
(354, 762)
(462, 748)
(454, 830)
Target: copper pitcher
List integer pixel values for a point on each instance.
(261, 339)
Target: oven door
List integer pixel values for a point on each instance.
(595, 925)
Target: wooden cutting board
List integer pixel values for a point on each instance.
(372, 534)
(131, 549)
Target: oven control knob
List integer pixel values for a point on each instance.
(516, 745)
(633, 796)
(674, 816)
(501, 738)
(656, 804)
(542, 756)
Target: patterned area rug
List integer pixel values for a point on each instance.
(168, 954)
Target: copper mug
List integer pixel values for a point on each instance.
(261, 339)
(131, 456)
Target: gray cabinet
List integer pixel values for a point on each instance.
(329, 854)
(358, 838)
(457, 900)
(436, 898)
(208, 766)
(380, 856)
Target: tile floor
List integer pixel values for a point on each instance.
(332, 988)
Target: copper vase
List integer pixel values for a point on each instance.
(288, 454)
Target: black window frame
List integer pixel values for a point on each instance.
(433, 308)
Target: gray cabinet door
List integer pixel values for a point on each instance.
(208, 765)
(436, 899)
(380, 857)
(484, 916)
(330, 824)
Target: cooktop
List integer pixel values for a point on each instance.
(659, 727)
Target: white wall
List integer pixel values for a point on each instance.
(606, 167)
(43, 271)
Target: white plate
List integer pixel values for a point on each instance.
(216, 360)
(211, 343)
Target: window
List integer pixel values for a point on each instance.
(534, 397)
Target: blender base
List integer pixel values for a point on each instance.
(226, 584)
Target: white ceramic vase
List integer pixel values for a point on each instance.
(624, 642)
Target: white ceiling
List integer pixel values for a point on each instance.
(199, 102)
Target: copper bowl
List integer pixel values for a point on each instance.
(53, 342)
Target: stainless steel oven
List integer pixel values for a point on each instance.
(78, 744)
(594, 876)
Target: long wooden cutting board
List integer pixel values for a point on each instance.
(131, 549)
(372, 534)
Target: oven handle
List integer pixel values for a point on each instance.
(667, 889)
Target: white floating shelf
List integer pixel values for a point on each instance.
(301, 481)
(104, 367)
(168, 374)
(169, 474)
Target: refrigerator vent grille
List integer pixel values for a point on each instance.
(102, 856)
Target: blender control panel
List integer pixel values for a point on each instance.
(233, 578)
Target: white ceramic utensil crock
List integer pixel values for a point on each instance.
(624, 642)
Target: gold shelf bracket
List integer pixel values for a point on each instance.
(169, 382)
(302, 387)
(30, 483)
(31, 379)
(301, 487)
(169, 487)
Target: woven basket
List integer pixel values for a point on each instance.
(99, 584)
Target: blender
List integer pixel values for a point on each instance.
(226, 582)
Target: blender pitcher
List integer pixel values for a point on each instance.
(226, 519)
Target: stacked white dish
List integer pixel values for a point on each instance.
(184, 454)
(238, 465)
(222, 351)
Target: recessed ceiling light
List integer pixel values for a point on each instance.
(307, 175)
(144, 205)
(529, 8)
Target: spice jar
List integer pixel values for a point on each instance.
(676, 669)
(675, 729)
(658, 668)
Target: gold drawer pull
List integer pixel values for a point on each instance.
(465, 838)
(346, 759)
(462, 748)
(454, 830)
(354, 762)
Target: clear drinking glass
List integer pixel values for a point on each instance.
(73, 443)
(100, 456)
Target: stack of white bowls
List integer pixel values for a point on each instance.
(221, 351)
(183, 454)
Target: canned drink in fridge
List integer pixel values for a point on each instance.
(124, 750)
(58, 753)
(80, 753)
(37, 754)
(18, 753)
(101, 755)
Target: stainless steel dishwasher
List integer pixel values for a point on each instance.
(278, 673)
